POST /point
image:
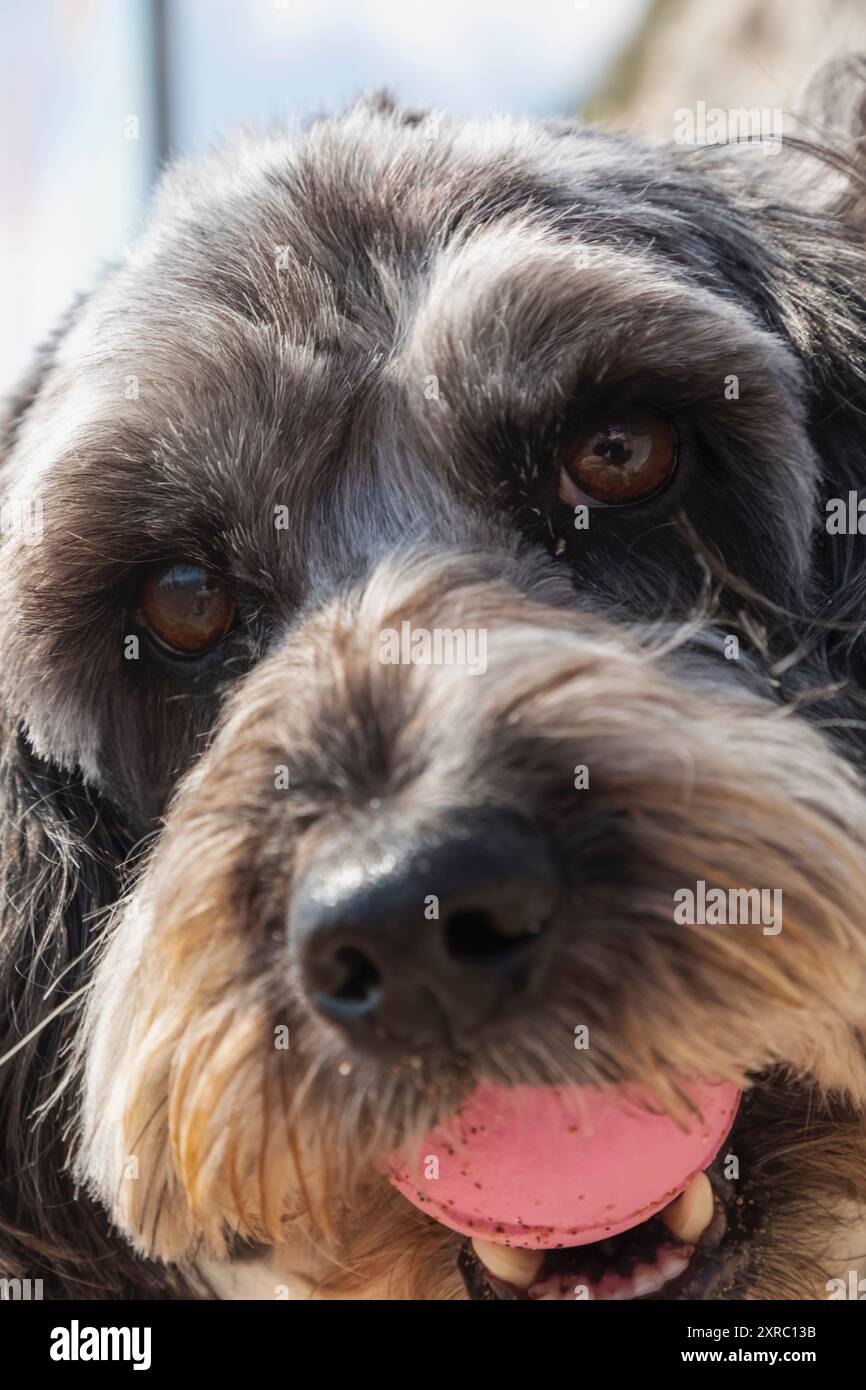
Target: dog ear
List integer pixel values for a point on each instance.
(59, 849)
(832, 122)
(811, 199)
(60, 845)
(833, 119)
(820, 163)
(58, 854)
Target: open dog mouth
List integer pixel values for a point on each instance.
(687, 1251)
(583, 1194)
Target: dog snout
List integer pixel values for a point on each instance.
(426, 943)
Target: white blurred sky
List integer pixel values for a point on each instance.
(472, 56)
(73, 187)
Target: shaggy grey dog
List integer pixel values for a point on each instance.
(580, 406)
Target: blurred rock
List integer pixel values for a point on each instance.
(724, 54)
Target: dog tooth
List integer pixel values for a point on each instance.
(689, 1215)
(509, 1262)
(672, 1265)
(647, 1279)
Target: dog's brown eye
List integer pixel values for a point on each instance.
(626, 459)
(185, 608)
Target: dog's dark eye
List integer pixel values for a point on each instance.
(185, 608)
(624, 459)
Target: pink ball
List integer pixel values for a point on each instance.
(541, 1167)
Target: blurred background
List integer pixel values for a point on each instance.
(96, 94)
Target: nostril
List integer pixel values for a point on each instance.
(350, 987)
(360, 982)
(475, 937)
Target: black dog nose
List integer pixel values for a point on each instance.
(423, 944)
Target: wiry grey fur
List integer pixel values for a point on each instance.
(279, 320)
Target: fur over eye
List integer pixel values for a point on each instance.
(626, 458)
(184, 608)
